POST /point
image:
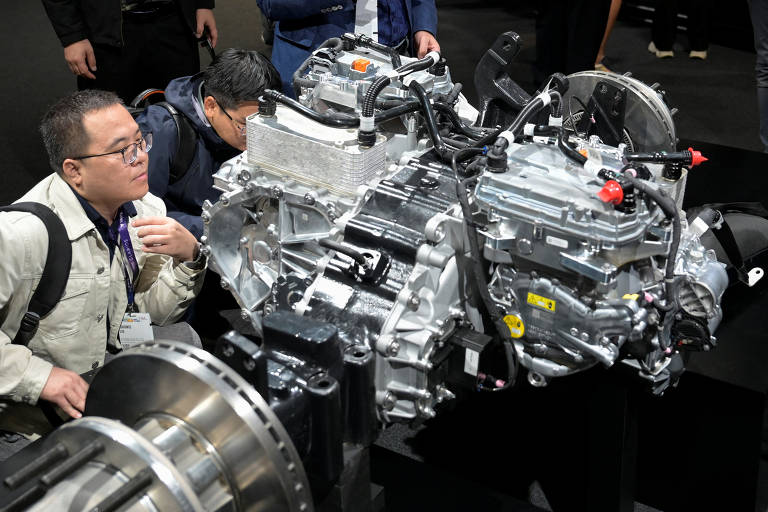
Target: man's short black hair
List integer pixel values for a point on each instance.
(62, 126)
(236, 76)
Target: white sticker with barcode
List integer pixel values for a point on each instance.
(471, 360)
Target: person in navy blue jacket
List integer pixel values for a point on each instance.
(216, 102)
(302, 25)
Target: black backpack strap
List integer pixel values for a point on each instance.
(146, 98)
(55, 273)
(186, 142)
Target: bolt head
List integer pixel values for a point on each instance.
(394, 348)
(389, 402)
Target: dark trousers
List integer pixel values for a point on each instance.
(568, 36)
(758, 10)
(157, 48)
(665, 21)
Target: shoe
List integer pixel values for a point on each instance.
(605, 64)
(599, 66)
(698, 54)
(660, 54)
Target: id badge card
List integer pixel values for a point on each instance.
(136, 328)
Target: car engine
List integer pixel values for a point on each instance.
(392, 248)
(565, 249)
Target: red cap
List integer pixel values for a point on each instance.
(696, 157)
(611, 192)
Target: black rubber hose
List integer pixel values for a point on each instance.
(370, 97)
(565, 147)
(328, 120)
(455, 120)
(378, 85)
(556, 106)
(453, 96)
(562, 141)
(343, 249)
(429, 117)
(334, 43)
(367, 42)
(416, 65)
(477, 265)
(339, 120)
(668, 206)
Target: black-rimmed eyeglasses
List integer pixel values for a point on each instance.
(130, 152)
(238, 125)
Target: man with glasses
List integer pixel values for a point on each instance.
(127, 256)
(216, 104)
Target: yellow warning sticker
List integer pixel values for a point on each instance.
(516, 327)
(631, 296)
(542, 302)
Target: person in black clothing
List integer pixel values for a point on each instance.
(568, 36)
(665, 21)
(128, 46)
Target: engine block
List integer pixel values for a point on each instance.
(373, 238)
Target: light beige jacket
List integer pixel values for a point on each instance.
(74, 334)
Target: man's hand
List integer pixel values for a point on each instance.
(205, 18)
(81, 59)
(425, 43)
(164, 235)
(67, 390)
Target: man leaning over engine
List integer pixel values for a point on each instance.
(126, 256)
(214, 105)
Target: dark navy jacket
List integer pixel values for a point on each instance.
(184, 198)
(302, 25)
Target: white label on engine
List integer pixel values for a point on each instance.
(471, 360)
(557, 242)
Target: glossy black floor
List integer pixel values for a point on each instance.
(478, 457)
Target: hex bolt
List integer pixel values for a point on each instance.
(245, 314)
(389, 401)
(206, 217)
(224, 283)
(228, 350)
(414, 301)
(574, 331)
(224, 200)
(277, 192)
(309, 198)
(206, 250)
(393, 348)
(585, 336)
(244, 240)
(249, 364)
